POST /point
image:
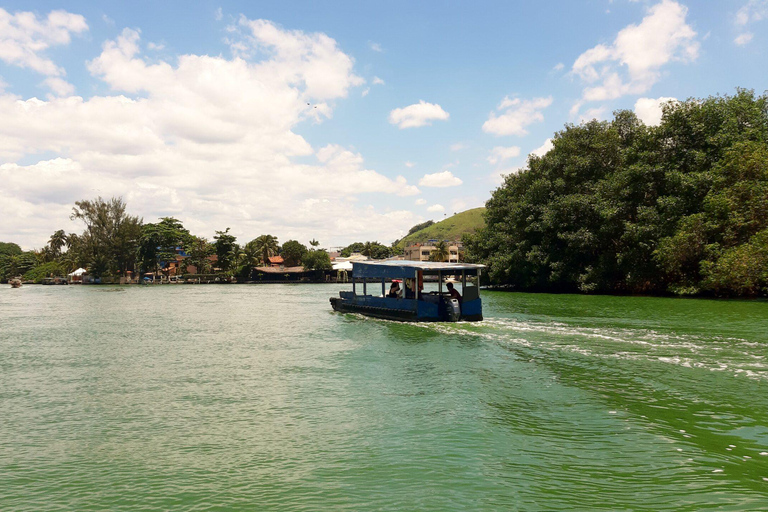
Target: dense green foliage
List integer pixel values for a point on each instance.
(620, 207)
(452, 228)
(373, 250)
(419, 227)
(317, 259)
(158, 242)
(265, 246)
(49, 269)
(115, 244)
(293, 252)
(108, 245)
(227, 250)
(9, 249)
(16, 263)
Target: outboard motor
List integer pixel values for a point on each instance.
(452, 310)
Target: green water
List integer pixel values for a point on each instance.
(261, 398)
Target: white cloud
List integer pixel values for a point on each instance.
(517, 114)
(409, 164)
(649, 109)
(440, 179)
(218, 14)
(436, 208)
(296, 56)
(632, 63)
(377, 81)
(418, 114)
(207, 139)
(597, 113)
(499, 154)
(24, 40)
(559, 66)
(458, 146)
(155, 46)
(59, 86)
(543, 149)
(375, 47)
(744, 38)
(421, 201)
(752, 11)
(365, 92)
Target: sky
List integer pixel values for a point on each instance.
(340, 121)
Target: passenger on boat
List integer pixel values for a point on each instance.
(410, 293)
(394, 290)
(453, 292)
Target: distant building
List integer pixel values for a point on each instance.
(422, 252)
(276, 261)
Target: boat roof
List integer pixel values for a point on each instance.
(407, 268)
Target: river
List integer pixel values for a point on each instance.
(259, 397)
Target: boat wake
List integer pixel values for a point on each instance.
(737, 356)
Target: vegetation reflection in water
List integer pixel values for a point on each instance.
(259, 397)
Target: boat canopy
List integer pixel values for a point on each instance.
(393, 269)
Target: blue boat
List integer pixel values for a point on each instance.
(371, 295)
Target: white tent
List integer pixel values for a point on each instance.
(78, 272)
(343, 265)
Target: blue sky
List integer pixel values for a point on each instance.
(341, 121)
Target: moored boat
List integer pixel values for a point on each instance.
(15, 282)
(410, 303)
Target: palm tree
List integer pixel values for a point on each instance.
(251, 254)
(266, 246)
(314, 243)
(440, 253)
(237, 255)
(57, 241)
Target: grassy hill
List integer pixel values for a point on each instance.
(449, 229)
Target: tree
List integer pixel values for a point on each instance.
(622, 207)
(374, 250)
(317, 259)
(314, 243)
(57, 241)
(293, 252)
(199, 251)
(111, 236)
(352, 248)
(9, 249)
(252, 254)
(440, 253)
(267, 246)
(13, 265)
(159, 242)
(419, 227)
(225, 248)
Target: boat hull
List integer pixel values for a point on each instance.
(380, 309)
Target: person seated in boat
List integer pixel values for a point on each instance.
(453, 292)
(394, 290)
(409, 292)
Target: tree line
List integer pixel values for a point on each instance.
(621, 207)
(114, 243)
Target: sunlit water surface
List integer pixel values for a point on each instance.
(261, 398)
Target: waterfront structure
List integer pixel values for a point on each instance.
(423, 251)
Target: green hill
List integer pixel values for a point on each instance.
(449, 229)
